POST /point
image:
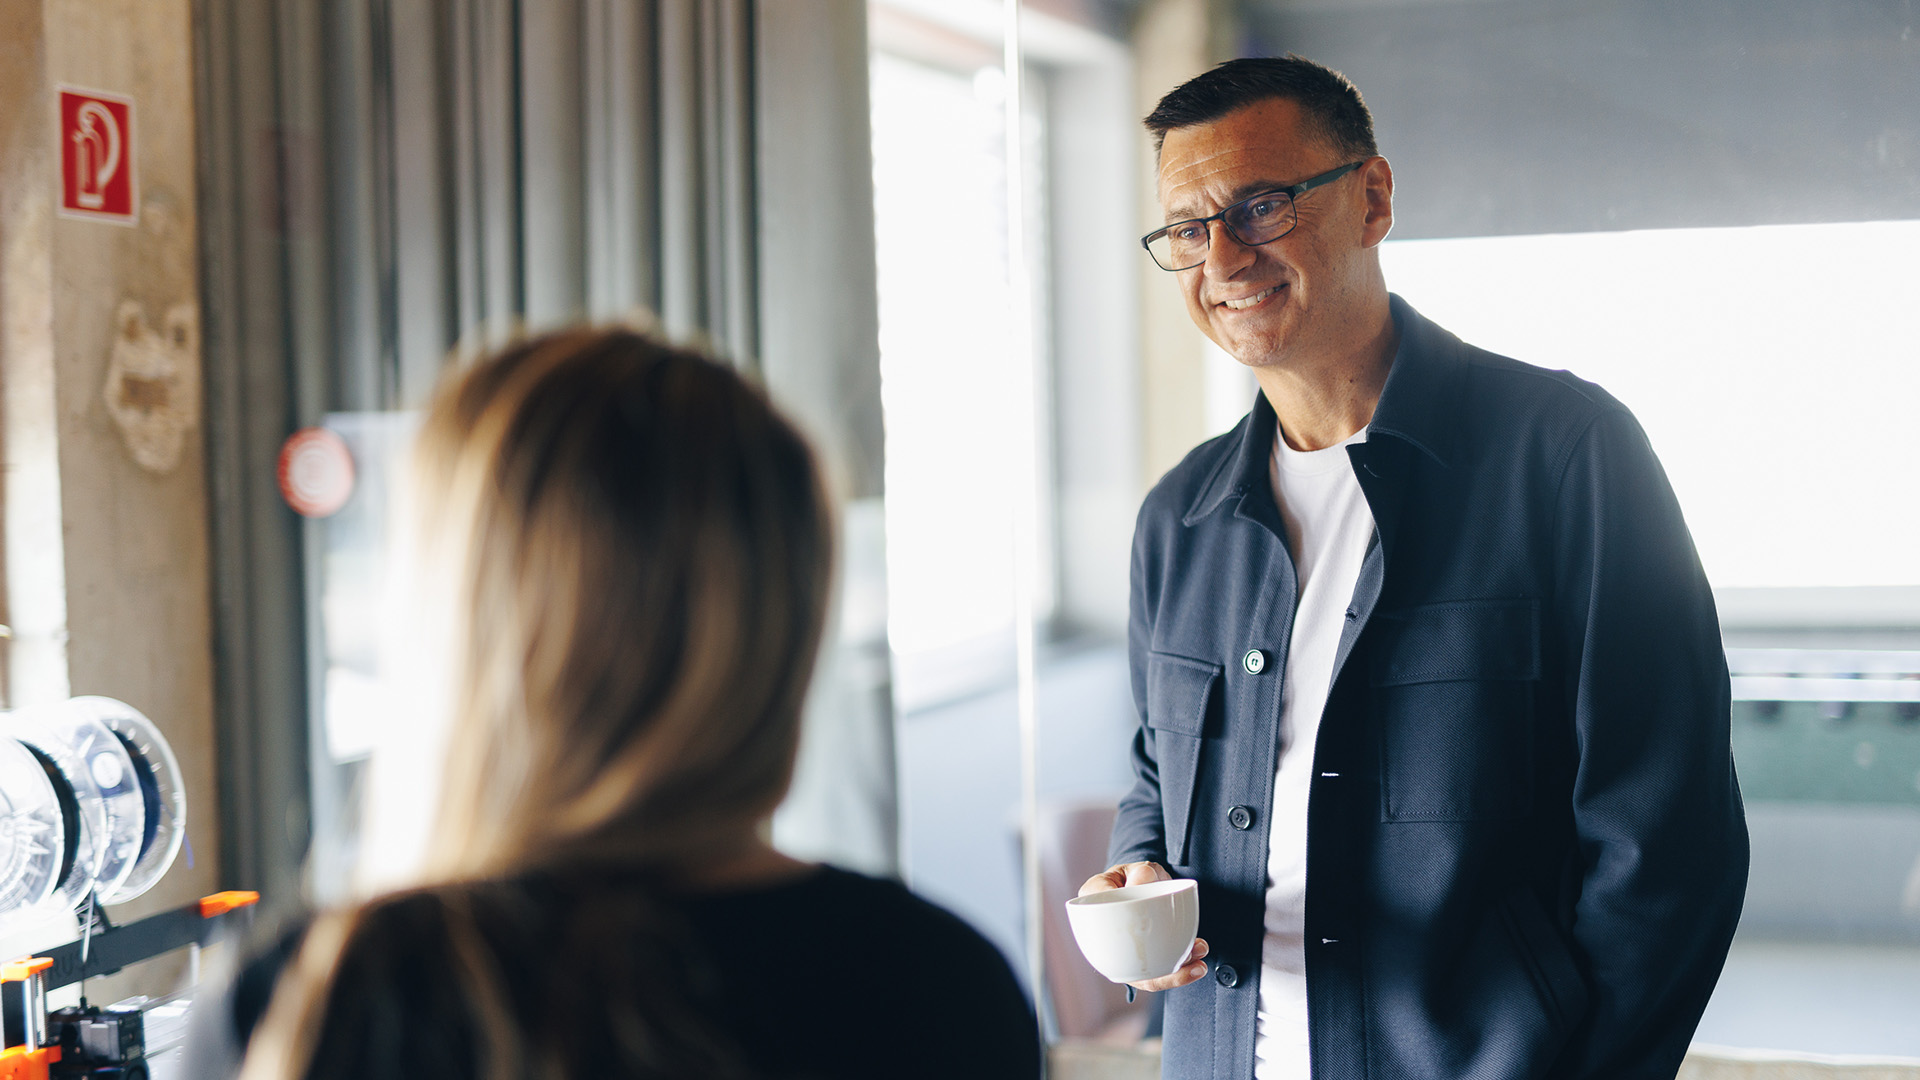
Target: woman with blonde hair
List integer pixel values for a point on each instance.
(639, 551)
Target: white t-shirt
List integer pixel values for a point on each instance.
(1329, 527)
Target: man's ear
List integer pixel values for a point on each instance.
(1376, 179)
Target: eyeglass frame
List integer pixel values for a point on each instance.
(1292, 193)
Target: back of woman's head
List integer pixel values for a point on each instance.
(635, 549)
(639, 552)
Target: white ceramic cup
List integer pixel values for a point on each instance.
(1138, 932)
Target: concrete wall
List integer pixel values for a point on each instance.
(105, 542)
(820, 357)
(1173, 40)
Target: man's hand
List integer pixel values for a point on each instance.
(1140, 873)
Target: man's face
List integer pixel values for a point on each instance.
(1306, 295)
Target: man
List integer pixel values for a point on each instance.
(1432, 692)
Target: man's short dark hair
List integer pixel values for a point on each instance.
(1330, 101)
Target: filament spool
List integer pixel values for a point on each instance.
(90, 805)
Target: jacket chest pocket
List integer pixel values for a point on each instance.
(1453, 689)
(1179, 693)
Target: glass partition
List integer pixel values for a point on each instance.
(1007, 363)
(1709, 211)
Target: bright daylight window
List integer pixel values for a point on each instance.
(1773, 367)
(945, 365)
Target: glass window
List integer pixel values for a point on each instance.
(952, 444)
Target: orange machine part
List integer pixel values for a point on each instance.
(219, 904)
(20, 1063)
(20, 970)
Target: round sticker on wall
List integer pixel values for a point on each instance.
(316, 472)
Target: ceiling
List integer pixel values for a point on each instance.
(1529, 116)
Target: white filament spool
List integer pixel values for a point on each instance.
(90, 804)
(32, 847)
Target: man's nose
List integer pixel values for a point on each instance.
(1226, 255)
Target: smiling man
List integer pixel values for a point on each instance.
(1432, 696)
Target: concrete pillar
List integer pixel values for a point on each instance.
(105, 539)
(1173, 40)
(820, 357)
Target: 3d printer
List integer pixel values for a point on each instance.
(91, 813)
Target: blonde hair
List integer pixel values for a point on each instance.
(640, 550)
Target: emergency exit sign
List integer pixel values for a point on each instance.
(96, 156)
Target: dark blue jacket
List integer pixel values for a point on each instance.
(1525, 846)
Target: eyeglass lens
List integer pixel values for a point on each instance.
(1259, 220)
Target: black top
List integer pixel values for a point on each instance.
(828, 976)
(839, 975)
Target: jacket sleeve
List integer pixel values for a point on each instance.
(1139, 829)
(1661, 835)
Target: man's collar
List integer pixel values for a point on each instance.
(1247, 466)
(1421, 402)
(1419, 405)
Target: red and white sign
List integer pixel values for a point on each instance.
(316, 472)
(96, 156)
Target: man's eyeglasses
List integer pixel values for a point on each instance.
(1262, 219)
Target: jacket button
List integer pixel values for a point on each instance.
(1240, 817)
(1255, 661)
(1226, 976)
